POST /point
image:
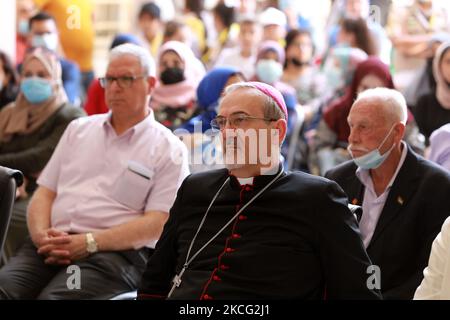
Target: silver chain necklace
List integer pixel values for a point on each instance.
(177, 279)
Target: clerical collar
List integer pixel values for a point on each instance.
(258, 182)
(244, 181)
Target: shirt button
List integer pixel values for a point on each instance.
(216, 278)
(224, 267)
(207, 297)
(242, 217)
(248, 188)
(229, 250)
(236, 236)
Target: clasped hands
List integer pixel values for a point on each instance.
(60, 248)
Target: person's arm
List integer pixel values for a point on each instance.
(344, 259)
(128, 236)
(434, 274)
(134, 234)
(161, 268)
(415, 46)
(39, 222)
(39, 212)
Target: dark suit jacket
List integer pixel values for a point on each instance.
(298, 240)
(416, 208)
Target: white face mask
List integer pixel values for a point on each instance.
(48, 41)
(374, 158)
(269, 71)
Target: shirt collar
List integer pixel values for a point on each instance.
(257, 182)
(364, 175)
(135, 130)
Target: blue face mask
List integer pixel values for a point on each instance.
(374, 158)
(23, 27)
(269, 71)
(36, 90)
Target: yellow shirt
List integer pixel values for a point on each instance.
(155, 44)
(76, 32)
(198, 29)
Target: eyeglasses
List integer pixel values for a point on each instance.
(235, 120)
(122, 82)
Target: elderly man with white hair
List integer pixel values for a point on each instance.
(253, 231)
(103, 197)
(404, 197)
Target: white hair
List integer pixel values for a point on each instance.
(271, 109)
(144, 57)
(392, 101)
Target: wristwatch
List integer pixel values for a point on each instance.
(91, 243)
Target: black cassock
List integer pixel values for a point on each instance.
(298, 240)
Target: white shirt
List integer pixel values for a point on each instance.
(436, 282)
(372, 204)
(231, 57)
(103, 180)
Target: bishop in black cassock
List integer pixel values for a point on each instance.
(296, 240)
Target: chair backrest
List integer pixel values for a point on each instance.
(9, 180)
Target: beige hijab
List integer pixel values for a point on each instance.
(442, 89)
(22, 117)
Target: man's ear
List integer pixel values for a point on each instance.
(281, 125)
(399, 129)
(151, 81)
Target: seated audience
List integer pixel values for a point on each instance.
(243, 245)
(30, 128)
(179, 73)
(404, 197)
(103, 197)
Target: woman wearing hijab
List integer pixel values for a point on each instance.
(30, 128)
(433, 110)
(9, 80)
(209, 92)
(331, 139)
(203, 145)
(179, 73)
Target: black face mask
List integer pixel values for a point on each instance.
(296, 62)
(172, 75)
